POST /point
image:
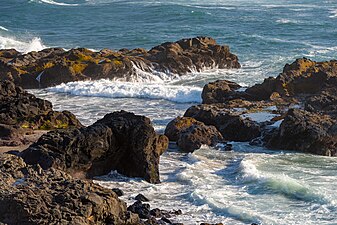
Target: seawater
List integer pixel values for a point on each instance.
(249, 184)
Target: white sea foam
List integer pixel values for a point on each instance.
(286, 21)
(34, 44)
(114, 89)
(279, 183)
(333, 13)
(3, 28)
(51, 2)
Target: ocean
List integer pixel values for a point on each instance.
(249, 184)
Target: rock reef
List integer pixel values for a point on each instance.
(301, 102)
(54, 66)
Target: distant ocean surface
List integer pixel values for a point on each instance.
(247, 185)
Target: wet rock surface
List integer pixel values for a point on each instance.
(191, 134)
(31, 195)
(120, 141)
(54, 66)
(300, 104)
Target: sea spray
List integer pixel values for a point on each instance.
(113, 89)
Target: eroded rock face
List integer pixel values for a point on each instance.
(120, 141)
(21, 111)
(308, 132)
(54, 66)
(31, 195)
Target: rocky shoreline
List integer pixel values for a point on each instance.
(49, 181)
(54, 66)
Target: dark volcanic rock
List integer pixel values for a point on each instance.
(54, 66)
(20, 110)
(231, 125)
(120, 141)
(196, 135)
(141, 198)
(307, 132)
(301, 77)
(30, 195)
(220, 91)
(179, 124)
(190, 134)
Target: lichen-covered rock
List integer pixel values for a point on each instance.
(31, 195)
(54, 66)
(21, 111)
(190, 134)
(176, 126)
(193, 137)
(120, 141)
(303, 76)
(306, 132)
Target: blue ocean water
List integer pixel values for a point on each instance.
(247, 185)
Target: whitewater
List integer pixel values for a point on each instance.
(247, 185)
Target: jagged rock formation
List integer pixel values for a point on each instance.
(120, 141)
(54, 66)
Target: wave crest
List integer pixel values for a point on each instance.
(35, 44)
(113, 89)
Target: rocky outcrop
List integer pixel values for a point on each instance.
(31, 195)
(303, 96)
(231, 124)
(302, 77)
(21, 112)
(120, 141)
(220, 91)
(54, 66)
(306, 132)
(191, 134)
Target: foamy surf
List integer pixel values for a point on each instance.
(113, 89)
(3, 28)
(51, 2)
(24, 46)
(278, 183)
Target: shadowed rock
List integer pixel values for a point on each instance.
(54, 66)
(31, 195)
(120, 141)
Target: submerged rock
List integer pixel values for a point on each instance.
(54, 66)
(120, 141)
(31, 195)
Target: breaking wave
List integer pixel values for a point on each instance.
(113, 89)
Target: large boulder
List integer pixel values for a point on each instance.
(120, 141)
(54, 66)
(231, 124)
(195, 136)
(220, 91)
(307, 132)
(191, 134)
(30, 195)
